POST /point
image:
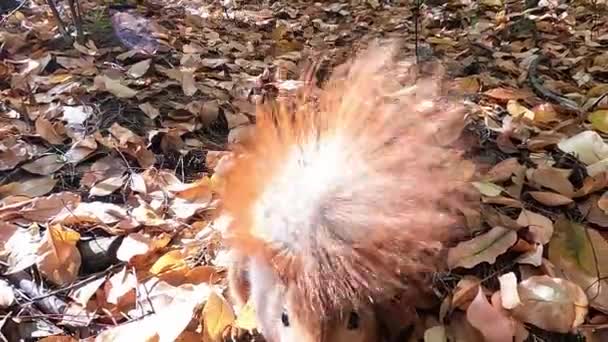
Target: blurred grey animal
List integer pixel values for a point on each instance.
(75, 11)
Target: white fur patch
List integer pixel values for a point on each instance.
(286, 212)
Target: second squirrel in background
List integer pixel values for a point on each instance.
(341, 203)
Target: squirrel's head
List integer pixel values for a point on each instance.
(283, 316)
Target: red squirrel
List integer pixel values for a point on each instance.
(336, 201)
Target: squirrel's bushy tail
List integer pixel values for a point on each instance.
(341, 194)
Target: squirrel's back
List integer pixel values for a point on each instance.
(341, 195)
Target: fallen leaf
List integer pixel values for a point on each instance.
(139, 69)
(506, 94)
(7, 296)
(108, 186)
(582, 255)
(552, 178)
(587, 146)
(148, 109)
(482, 248)
(31, 188)
(550, 199)
(217, 315)
(173, 310)
(435, 334)
(58, 257)
(114, 87)
(76, 115)
(488, 189)
(45, 166)
(493, 324)
(552, 304)
(508, 290)
(132, 245)
(47, 131)
(540, 226)
(93, 212)
(503, 170)
(83, 294)
(517, 110)
(44, 209)
(246, 318)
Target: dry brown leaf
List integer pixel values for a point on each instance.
(148, 109)
(45, 166)
(58, 257)
(12, 155)
(545, 113)
(465, 291)
(188, 83)
(581, 254)
(550, 199)
(108, 186)
(44, 209)
(31, 188)
(492, 323)
(93, 212)
(80, 150)
(503, 171)
(139, 69)
(482, 248)
(540, 226)
(506, 94)
(115, 87)
(84, 293)
(171, 310)
(552, 304)
(47, 131)
(552, 178)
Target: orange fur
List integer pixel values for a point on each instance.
(374, 225)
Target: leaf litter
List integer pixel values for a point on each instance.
(126, 134)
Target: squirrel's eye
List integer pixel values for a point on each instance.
(353, 321)
(285, 319)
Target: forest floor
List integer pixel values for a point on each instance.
(109, 147)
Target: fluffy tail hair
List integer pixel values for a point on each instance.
(342, 194)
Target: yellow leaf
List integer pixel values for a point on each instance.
(488, 189)
(246, 319)
(217, 315)
(599, 120)
(171, 261)
(58, 257)
(517, 110)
